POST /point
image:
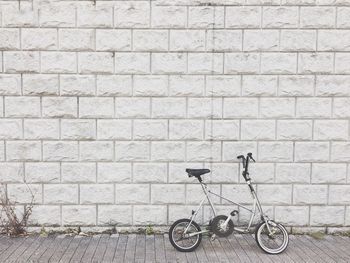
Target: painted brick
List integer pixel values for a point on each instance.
(58, 62)
(57, 16)
(243, 17)
(59, 107)
(101, 62)
(39, 39)
(183, 85)
(224, 40)
(317, 17)
(113, 40)
(150, 173)
(94, 17)
(76, 39)
(206, 17)
(41, 129)
(169, 16)
(61, 194)
(96, 194)
(40, 84)
(77, 85)
(132, 14)
(150, 40)
(150, 129)
(12, 173)
(21, 61)
(9, 39)
(132, 63)
(23, 151)
(311, 151)
(78, 172)
(113, 129)
(298, 40)
(10, 84)
(114, 85)
(294, 130)
(78, 129)
(259, 85)
(96, 151)
(150, 85)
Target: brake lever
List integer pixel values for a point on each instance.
(250, 156)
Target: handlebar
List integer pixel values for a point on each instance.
(245, 162)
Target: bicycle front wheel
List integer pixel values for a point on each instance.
(274, 241)
(185, 242)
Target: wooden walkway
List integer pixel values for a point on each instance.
(156, 248)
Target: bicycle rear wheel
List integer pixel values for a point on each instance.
(180, 240)
(273, 242)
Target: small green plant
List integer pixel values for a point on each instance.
(43, 232)
(317, 235)
(149, 230)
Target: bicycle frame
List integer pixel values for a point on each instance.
(256, 207)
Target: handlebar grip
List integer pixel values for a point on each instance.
(250, 155)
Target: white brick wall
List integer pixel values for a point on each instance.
(104, 104)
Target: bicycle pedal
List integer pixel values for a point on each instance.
(234, 213)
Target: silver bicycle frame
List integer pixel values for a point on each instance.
(256, 206)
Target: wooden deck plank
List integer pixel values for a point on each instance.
(230, 253)
(261, 254)
(170, 252)
(341, 243)
(41, 249)
(220, 252)
(90, 251)
(322, 245)
(191, 257)
(251, 253)
(150, 249)
(45, 257)
(61, 248)
(15, 244)
(101, 248)
(25, 245)
(160, 248)
(30, 250)
(80, 251)
(300, 249)
(315, 251)
(243, 257)
(4, 243)
(130, 248)
(120, 250)
(140, 250)
(292, 252)
(111, 248)
(68, 254)
(180, 256)
(200, 253)
(209, 251)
